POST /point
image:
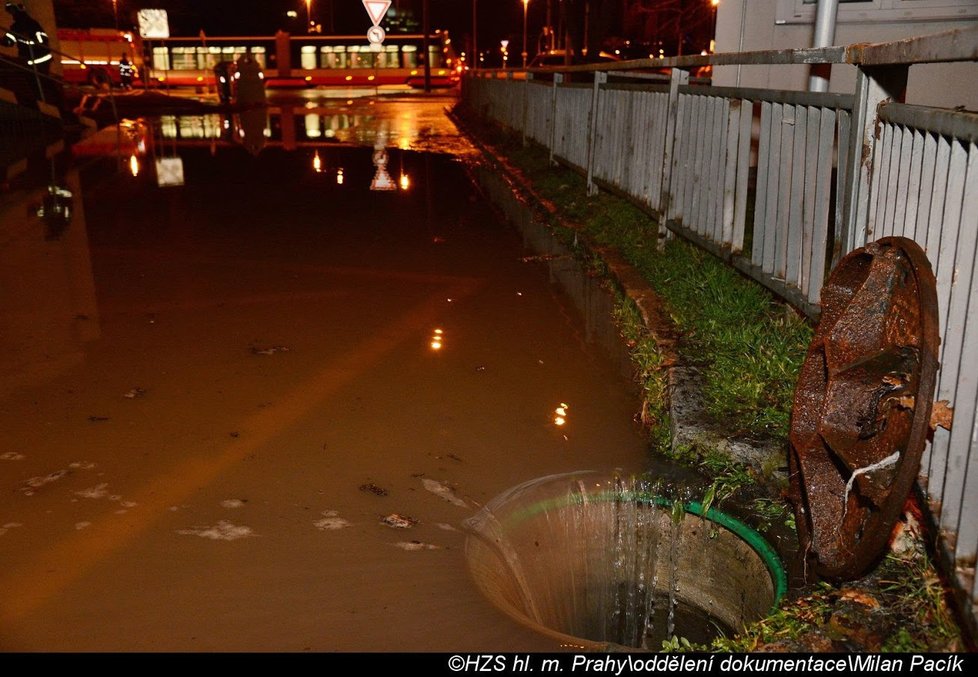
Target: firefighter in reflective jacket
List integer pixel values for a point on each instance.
(33, 45)
(126, 72)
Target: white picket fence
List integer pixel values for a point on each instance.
(782, 184)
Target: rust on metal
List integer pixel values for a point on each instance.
(862, 407)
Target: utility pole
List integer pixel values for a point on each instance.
(427, 51)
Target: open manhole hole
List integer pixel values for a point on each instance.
(600, 561)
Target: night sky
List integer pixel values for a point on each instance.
(497, 19)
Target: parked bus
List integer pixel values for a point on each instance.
(286, 60)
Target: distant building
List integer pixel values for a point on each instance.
(746, 25)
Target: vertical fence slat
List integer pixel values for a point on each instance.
(965, 307)
(769, 218)
(708, 163)
(727, 217)
(822, 204)
(904, 171)
(879, 173)
(679, 157)
(802, 165)
(782, 205)
(811, 185)
(928, 164)
(889, 213)
(913, 185)
(954, 270)
(842, 181)
(690, 202)
(719, 180)
(743, 174)
(940, 251)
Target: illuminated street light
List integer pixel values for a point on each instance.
(115, 12)
(309, 23)
(504, 47)
(713, 41)
(526, 4)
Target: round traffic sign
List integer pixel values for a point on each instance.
(376, 35)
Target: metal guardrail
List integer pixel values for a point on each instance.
(782, 184)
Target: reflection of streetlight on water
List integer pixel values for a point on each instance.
(503, 46)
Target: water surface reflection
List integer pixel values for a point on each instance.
(220, 379)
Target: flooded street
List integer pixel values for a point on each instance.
(249, 411)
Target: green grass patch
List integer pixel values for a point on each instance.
(749, 345)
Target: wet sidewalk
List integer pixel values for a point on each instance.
(251, 412)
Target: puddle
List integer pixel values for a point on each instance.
(277, 296)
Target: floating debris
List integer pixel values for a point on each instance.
(97, 419)
(373, 489)
(222, 531)
(455, 458)
(443, 491)
(414, 546)
(331, 521)
(232, 503)
(82, 525)
(271, 350)
(396, 521)
(37, 482)
(9, 525)
(445, 527)
(98, 491)
(81, 465)
(11, 456)
(134, 393)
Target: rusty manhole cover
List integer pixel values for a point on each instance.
(863, 404)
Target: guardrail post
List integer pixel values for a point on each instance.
(558, 78)
(874, 85)
(600, 78)
(678, 78)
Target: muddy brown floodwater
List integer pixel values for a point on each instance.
(213, 393)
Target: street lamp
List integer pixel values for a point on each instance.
(309, 16)
(713, 41)
(115, 12)
(526, 4)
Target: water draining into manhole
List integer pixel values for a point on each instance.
(601, 560)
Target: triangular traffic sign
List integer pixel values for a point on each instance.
(376, 9)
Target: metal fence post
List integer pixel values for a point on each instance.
(599, 79)
(874, 85)
(678, 78)
(558, 78)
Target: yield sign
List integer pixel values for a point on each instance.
(376, 9)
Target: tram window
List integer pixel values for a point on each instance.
(307, 57)
(161, 58)
(184, 58)
(388, 57)
(410, 56)
(334, 57)
(359, 58)
(435, 56)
